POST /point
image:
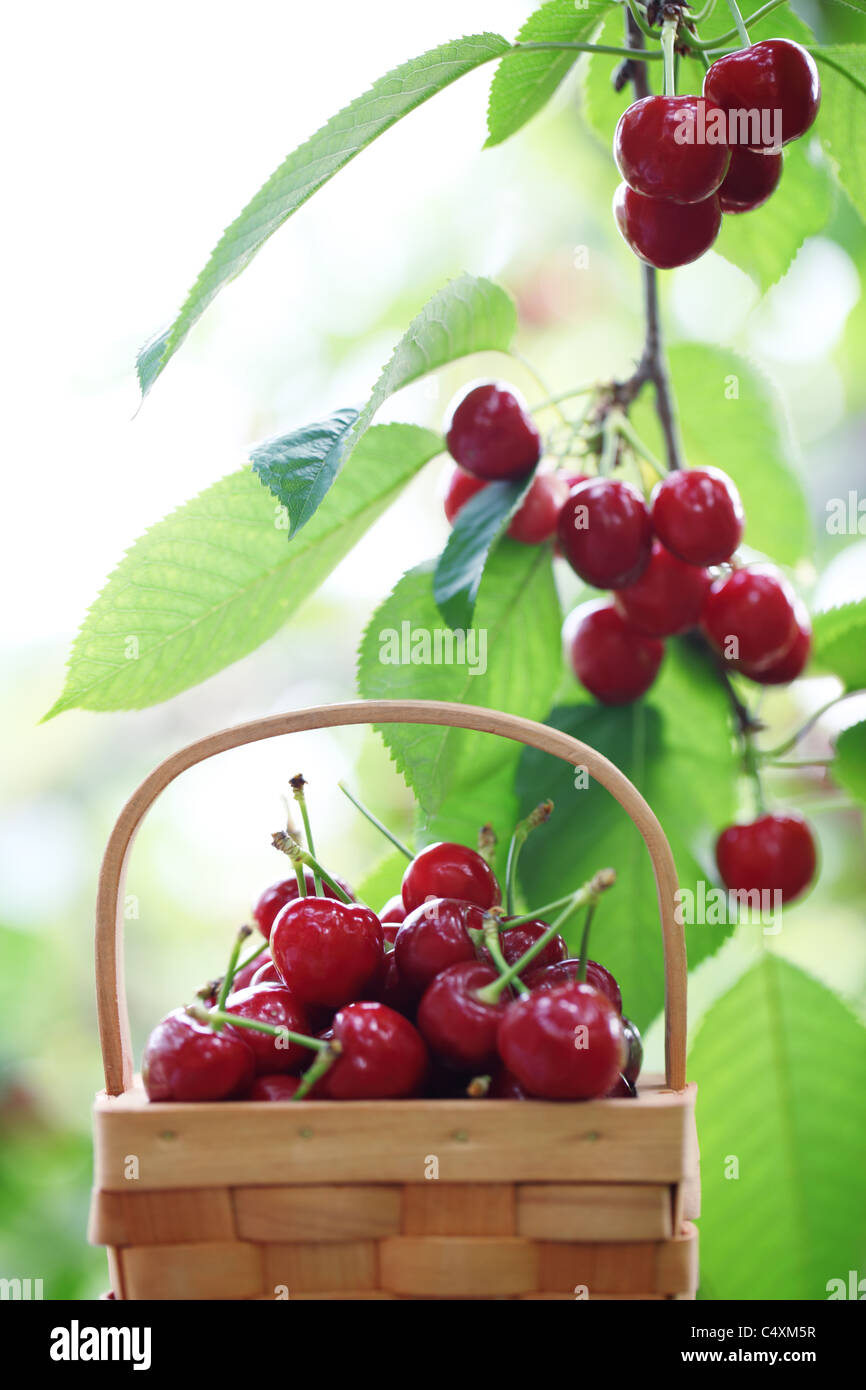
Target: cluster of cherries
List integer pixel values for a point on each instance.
(669, 207)
(439, 994)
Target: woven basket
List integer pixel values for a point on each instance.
(394, 1199)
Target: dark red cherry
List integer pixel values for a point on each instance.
(750, 180)
(612, 659)
(659, 152)
(750, 616)
(776, 75)
(634, 1044)
(394, 992)
(622, 1089)
(458, 1027)
(446, 870)
(247, 974)
(394, 911)
(668, 597)
(505, 1086)
(534, 521)
(383, 1057)
(605, 532)
(563, 1044)
(433, 937)
(665, 234)
(267, 974)
(565, 972)
(327, 952)
(286, 891)
(698, 516)
(516, 941)
(276, 1005)
(790, 664)
(187, 1061)
(773, 854)
(492, 435)
(279, 1087)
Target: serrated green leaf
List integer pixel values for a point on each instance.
(299, 468)
(675, 745)
(842, 119)
(779, 1064)
(462, 779)
(849, 767)
(479, 525)
(839, 643)
(382, 881)
(524, 82)
(310, 166)
(217, 577)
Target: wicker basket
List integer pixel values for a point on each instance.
(394, 1199)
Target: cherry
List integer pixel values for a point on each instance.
(605, 532)
(505, 1086)
(653, 161)
(278, 1087)
(446, 870)
(274, 1004)
(461, 487)
(327, 952)
(790, 664)
(383, 1057)
(492, 435)
(393, 991)
(247, 973)
(394, 911)
(634, 1044)
(187, 1061)
(668, 597)
(774, 75)
(566, 972)
(775, 853)
(666, 234)
(433, 937)
(622, 1089)
(750, 616)
(457, 1026)
(613, 660)
(750, 180)
(535, 519)
(516, 941)
(697, 514)
(267, 974)
(286, 891)
(563, 1044)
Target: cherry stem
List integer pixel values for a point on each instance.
(522, 831)
(297, 785)
(669, 38)
(326, 1059)
(769, 753)
(217, 1017)
(579, 48)
(374, 820)
(478, 1086)
(623, 426)
(231, 971)
(251, 957)
(590, 891)
(487, 842)
(737, 17)
(492, 927)
(640, 21)
(300, 856)
(800, 762)
(721, 39)
(583, 957)
(584, 390)
(569, 900)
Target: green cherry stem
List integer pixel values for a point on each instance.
(231, 970)
(637, 13)
(570, 900)
(770, 753)
(732, 34)
(583, 957)
(487, 842)
(584, 48)
(242, 965)
(742, 31)
(326, 1059)
(585, 390)
(288, 844)
(217, 1017)
(669, 38)
(623, 426)
(297, 785)
(374, 820)
(491, 937)
(522, 831)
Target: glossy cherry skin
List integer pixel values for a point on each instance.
(750, 616)
(383, 1057)
(775, 853)
(492, 435)
(277, 1087)
(267, 974)
(563, 1044)
(534, 521)
(458, 1027)
(433, 937)
(612, 659)
(188, 1061)
(668, 597)
(247, 974)
(634, 1045)
(393, 912)
(698, 516)
(665, 234)
(516, 941)
(774, 75)
(505, 1086)
(327, 952)
(446, 870)
(565, 972)
(750, 180)
(605, 532)
(394, 992)
(274, 1004)
(653, 161)
(791, 663)
(286, 891)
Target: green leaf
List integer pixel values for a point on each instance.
(839, 643)
(675, 745)
(217, 577)
(382, 881)
(479, 525)
(300, 467)
(462, 779)
(849, 768)
(779, 1064)
(309, 167)
(524, 82)
(841, 119)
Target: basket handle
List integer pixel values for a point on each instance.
(110, 985)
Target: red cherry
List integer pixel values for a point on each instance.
(461, 487)
(327, 952)
(776, 75)
(447, 870)
(276, 1005)
(247, 974)
(267, 974)
(286, 891)
(392, 913)
(563, 1044)
(433, 937)
(666, 234)
(492, 435)
(383, 1057)
(505, 1086)
(750, 616)
(516, 941)
(605, 532)
(279, 1087)
(187, 1061)
(791, 663)
(656, 159)
(622, 1089)
(697, 514)
(775, 853)
(668, 597)
(565, 972)
(750, 180)
(613, 660)
(457, 1026)
(634, 1044)
(393, 991)
(535, 520)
